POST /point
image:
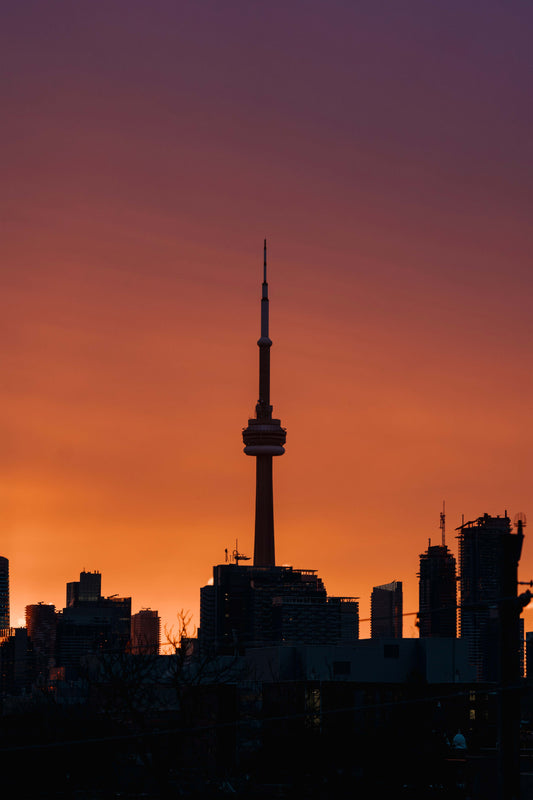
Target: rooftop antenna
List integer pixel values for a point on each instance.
(239, 556)
(520, 520)
(443, 523)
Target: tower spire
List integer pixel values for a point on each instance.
(264, 438)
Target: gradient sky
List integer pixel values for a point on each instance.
(385, 151)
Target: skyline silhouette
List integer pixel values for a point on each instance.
(386, 157)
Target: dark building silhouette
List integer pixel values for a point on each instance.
(264, 438)
(41, 624)
(89, 587)
(93, 627)
(529, 654)
(91, 623)
(145, 632)
(4, 593)
(437, 590)
(386, 610)
(16, 662)
(249, 606)
(522, 636)
(488, 559)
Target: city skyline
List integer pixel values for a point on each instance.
(387, 160)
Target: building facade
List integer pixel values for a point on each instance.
(488, 558)
(145, 632)
(91, 623)
(88, 588)
(386, 611)
(41, 625)
(437, 593)
(249, 606)
(4, 593)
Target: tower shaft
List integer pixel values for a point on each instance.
(264, 548)
(264, 438)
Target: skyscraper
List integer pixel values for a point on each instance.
(41, 624)
(145, 632)
(91, 623)
(488, 560)
(437, 590)
(251, 605)
(4, 593)
(386, 610)
(264, 438)
(89, 587)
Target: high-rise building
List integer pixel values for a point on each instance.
(4, 593)
(41, 624)
(437, 590)
(529, 655)
(89, 587)
(16, 667)
(437, 593)
(386, 611)
(91, 623)
(251, 605)
(488, 560)
(522, 635)
(145, 632)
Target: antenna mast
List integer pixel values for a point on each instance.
(443, 523)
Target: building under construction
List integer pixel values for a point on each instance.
(437, 590)
(488, 557)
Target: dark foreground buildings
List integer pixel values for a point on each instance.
(280, 699)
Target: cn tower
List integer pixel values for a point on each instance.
(264, 438)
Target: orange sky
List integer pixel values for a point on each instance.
(386, 154)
